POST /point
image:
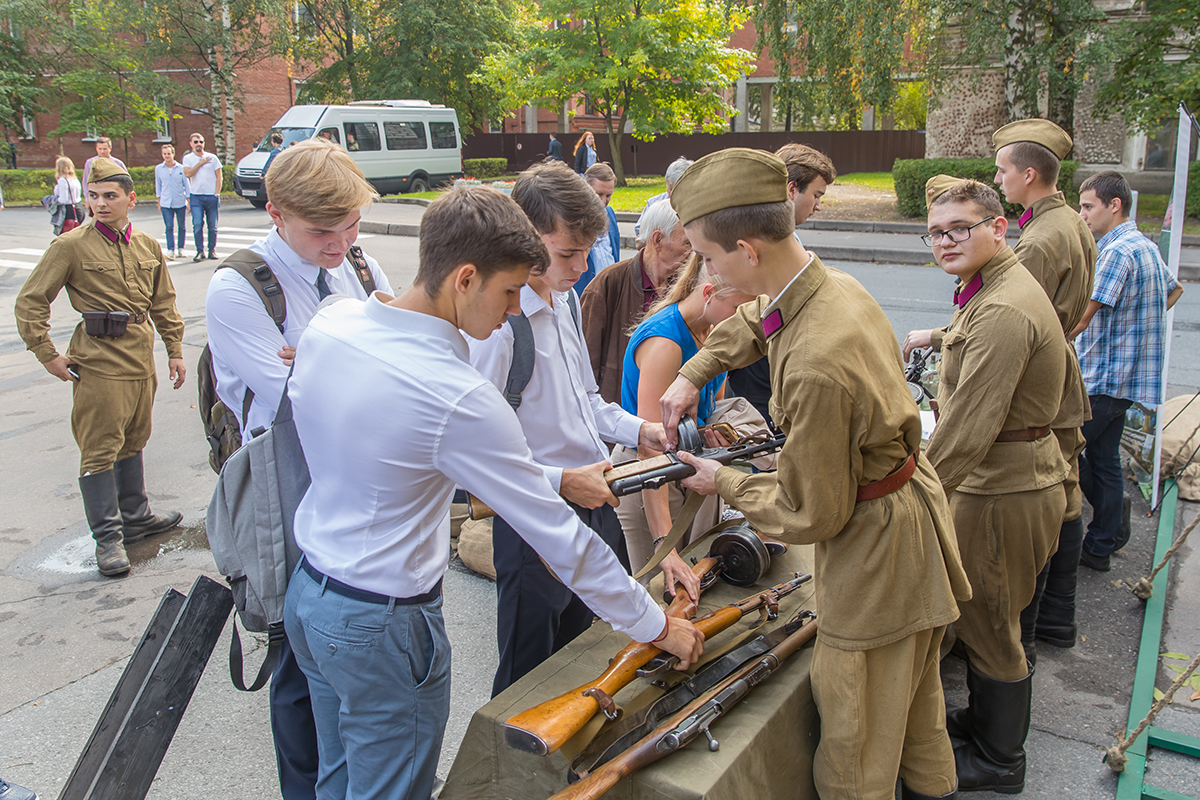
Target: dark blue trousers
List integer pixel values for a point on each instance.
(294, 729)
(536, 615)
(1100, 472)
(204, 211)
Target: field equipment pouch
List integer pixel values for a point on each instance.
(106, 323)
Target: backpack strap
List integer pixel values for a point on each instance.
(275, 637)
(258, 274)
(521, 369)
(362, 269)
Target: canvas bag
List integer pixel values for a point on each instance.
(250, 530)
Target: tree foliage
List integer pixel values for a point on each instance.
(660, 64)
(1155, 60)
(21, 84)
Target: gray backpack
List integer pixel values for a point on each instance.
(521, 370)
(250, 532)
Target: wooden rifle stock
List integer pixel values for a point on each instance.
(546, 727)
(646, 751)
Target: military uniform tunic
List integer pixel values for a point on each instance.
(1002, 369)
(888, 571)
(114, 272)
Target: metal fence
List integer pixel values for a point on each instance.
(851, 151)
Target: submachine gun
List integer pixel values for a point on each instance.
(653, 473)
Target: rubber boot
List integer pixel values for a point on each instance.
(138, 520)
(99, 492)
(1056, 616)
(908, 794)
(993, 758)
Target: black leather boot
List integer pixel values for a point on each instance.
(1056, 617)
(908, 794)
(99, 492)
(1029, 617)
(139, 521)
(993, 758)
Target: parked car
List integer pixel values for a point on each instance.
(400, 145)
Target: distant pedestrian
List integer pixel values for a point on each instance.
(103, 150)
(69, 195)
(276, 149)
(203, 171)
(585, 152)
(606, 250)
(10, 156)
(172, 189)
(555, 151)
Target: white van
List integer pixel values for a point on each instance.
(400, 145)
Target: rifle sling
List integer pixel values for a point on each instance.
(679, 529)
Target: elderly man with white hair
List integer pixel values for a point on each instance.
(674, 171)
(618, 297)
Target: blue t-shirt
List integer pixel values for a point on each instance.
(668, 324)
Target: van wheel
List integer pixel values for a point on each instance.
(259, 204)
(419, 185)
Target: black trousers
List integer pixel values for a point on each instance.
(293, 728)
(536, 615)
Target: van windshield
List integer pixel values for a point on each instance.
(290, 137)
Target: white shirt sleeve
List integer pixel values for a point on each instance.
(240, 327)
(613, 423)
(503, 475)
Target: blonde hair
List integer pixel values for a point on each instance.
(693, 276)
(63, 167)
(319, 182)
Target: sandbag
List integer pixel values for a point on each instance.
(475, 547)
(1180, 438)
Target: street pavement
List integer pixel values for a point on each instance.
(67, 633)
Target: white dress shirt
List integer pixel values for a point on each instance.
(566, 421)
(392, 417)
(205, 179)
(244, 340)
(68, 190)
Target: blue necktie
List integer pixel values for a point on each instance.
(322, 286)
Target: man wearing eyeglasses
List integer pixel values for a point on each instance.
(203, 170)
(1002, 373)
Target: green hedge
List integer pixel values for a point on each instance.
(29, 185)
(1193, 193)
(485, 167)
(910, 176)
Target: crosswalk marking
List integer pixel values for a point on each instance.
(24, 251)
(17, 264)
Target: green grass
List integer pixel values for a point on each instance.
(1151, 210)
(881, 181)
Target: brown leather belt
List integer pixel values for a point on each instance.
(882, 488)
(1024, 434)
(139, 317)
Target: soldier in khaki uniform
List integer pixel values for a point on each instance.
(107, 266)
(1002, 373)
(850, 479)
(1060, 252)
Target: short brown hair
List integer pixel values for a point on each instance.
(772, 222)
(103, 140)
(124, 181)
(599, 172)
(1026, 155)
(475, 225)
(804, 163)
(319, 182)
(975, 192)
(554, 196)
(1109, 185)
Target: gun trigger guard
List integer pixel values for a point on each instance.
(610, 709)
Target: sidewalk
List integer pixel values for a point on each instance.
(834, 240)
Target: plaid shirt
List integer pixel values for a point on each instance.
(1121, 351)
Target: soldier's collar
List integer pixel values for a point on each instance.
(995, 265)
(114, 235)
(1041, 207)
(780, 311)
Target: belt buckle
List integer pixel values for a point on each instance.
(139, 317)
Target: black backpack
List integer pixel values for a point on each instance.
(521, 369)
(222, 427)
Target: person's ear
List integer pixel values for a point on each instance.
(466, 277)
(1000, 229)
(749, 250)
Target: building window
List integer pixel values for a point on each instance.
(27, 129)
(93, 132)
(1161, 145)
(164, 122)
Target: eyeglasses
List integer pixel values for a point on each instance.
(956, 235)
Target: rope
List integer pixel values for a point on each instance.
(1144, 588)
(1175, 479)
(1115, 756)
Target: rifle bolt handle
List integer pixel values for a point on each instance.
(713, 744)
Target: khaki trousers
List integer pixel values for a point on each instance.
(882, 715)
(1004, 541)
(632, 514)
(110, 419)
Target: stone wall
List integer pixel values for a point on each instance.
(1097, 141)
(961, 126)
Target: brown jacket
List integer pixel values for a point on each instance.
(612, 305)
(1002, 368)
(100, 275)
(885, 568)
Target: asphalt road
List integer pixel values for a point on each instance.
(67, 632)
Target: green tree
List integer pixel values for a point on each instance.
(1155, 59)
(334, 35)
(658, 63)
(21, 82)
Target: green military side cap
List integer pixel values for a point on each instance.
(104, 169)
(937, 186)
(1038, 131)
(729, 178)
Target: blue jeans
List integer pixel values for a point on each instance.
(379, 676)
(204, 208)
(171, 218)
(1100, 472)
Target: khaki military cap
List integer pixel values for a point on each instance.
(937, 186)
(1038, 131)
(104, 169)
(729, 178)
